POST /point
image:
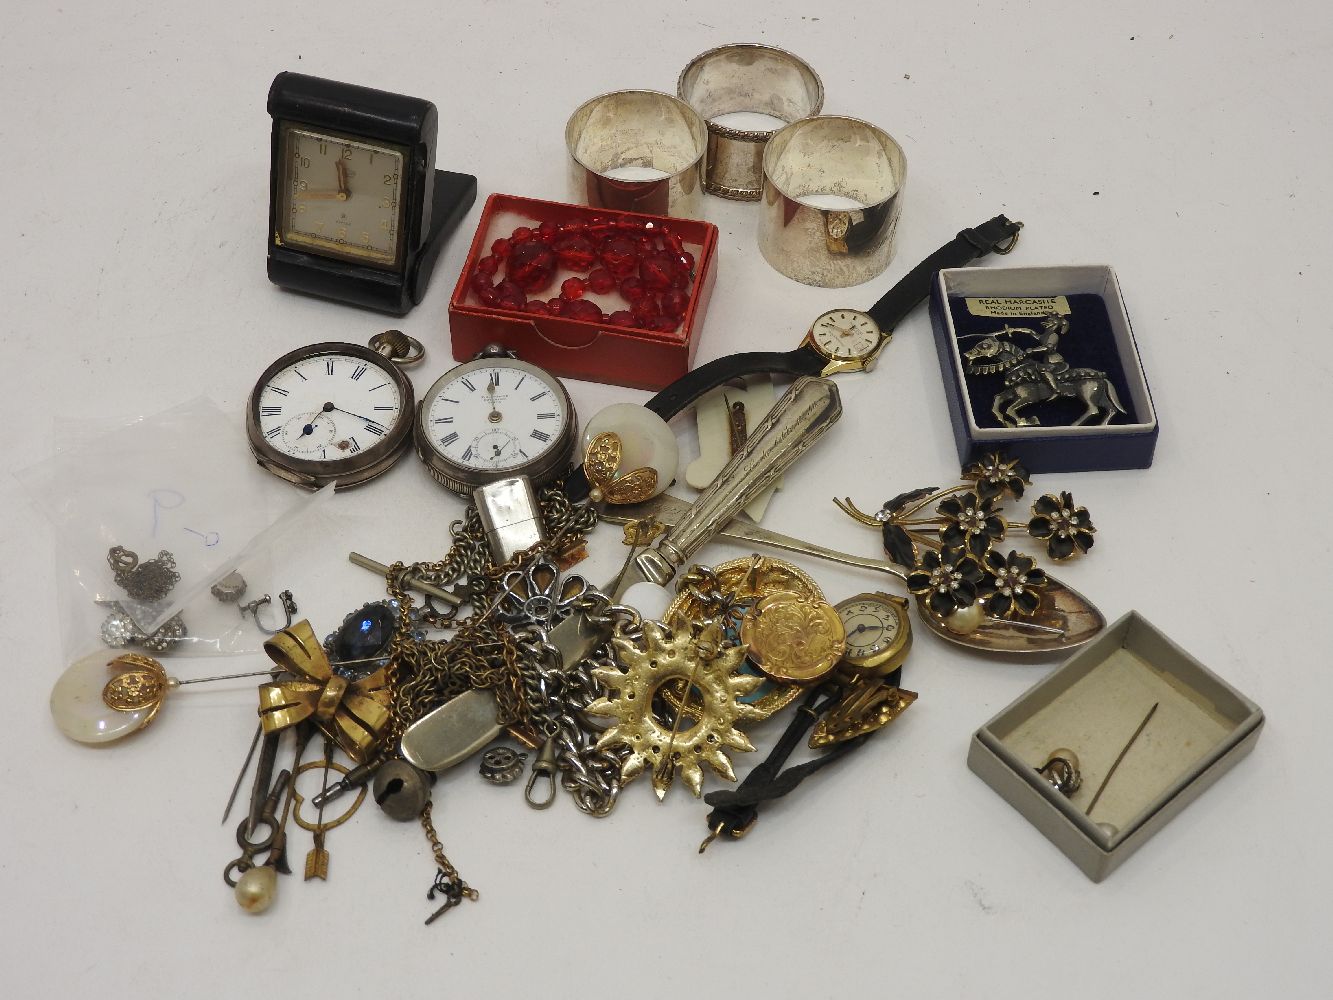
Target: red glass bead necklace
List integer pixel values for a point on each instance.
(644, 261)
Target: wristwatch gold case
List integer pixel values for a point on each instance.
(879, 633)
(848, 339)
(334, 413)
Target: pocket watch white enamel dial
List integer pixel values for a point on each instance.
(849, 339)
(495, 418)
(334, 413)
(879, 633)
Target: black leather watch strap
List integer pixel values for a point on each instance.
(967, 246)
(690, 386)
(888, 312)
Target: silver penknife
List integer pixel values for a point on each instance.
(809, 408)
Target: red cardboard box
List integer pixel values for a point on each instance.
(581, 349)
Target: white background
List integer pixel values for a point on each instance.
(1185, 144)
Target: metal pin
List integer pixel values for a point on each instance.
(410, 580)
(236, 786)
(1102, 787)
(263, 774)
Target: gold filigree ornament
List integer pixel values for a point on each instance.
(139, 683)
(601, 462)
(708, 671)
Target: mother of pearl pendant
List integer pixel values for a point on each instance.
(96, 701)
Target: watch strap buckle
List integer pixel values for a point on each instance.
(999, 236)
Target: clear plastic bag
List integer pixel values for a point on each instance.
(180, 482)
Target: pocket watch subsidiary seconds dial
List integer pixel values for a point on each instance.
(879, 633)
(494, 418)
(334, 413)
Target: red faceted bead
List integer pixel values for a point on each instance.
(656, 271)
(480, 282)
(501, 248)
(632, 289)
(601, 281)
(521, 235)
(621, 317)
(488, 296)
(576, 252)
(620, 256)
(583, 309)
(531, 266)
(488, 266)
(686, 260)
(547, 232)
(556, 305)
(509, 296)
(674, 243)
(664, 324)
(572, 288)
(646, 308)
(674, 303)
(537, 306)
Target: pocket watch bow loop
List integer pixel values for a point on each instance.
(355, 714)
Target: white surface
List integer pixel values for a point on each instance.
(1186, 144)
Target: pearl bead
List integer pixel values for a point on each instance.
(648, 599)
(646, 441)
(965, 621)
(257, 889)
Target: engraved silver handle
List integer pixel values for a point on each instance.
(809, 408)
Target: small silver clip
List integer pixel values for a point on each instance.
(543, 767)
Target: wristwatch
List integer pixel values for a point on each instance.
(842, 340)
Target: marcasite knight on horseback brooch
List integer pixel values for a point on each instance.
(1037, 373)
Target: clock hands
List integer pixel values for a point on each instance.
(342, 194)
(330, 407)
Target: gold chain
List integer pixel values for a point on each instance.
(437, 849)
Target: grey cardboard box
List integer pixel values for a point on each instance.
(1092, 704)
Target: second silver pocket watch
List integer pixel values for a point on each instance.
(494, 418)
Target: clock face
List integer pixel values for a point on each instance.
(872, 626)
(327, 407)
(496, 416)
(341, 196)
(846, 334)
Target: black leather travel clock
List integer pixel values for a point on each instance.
(357, 210)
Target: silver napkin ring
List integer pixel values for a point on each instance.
(746, 77)
(833, 189)
(637, 151)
